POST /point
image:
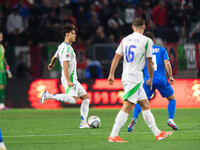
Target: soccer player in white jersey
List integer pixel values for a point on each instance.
(73, 89)
(134, 48)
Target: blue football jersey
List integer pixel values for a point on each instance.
(159, 55)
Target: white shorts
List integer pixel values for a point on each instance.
(76, 90)
(133, 92)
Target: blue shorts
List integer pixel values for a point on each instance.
(162, 86)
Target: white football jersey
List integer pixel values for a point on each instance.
(134, 48)
(66, 53)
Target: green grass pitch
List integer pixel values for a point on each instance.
(30, 129)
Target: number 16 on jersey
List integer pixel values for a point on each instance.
(129, 53)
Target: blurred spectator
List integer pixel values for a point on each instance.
(159, 15)
(6, 9)
(48, 32)
(70, 18)
(14, 38)
(35, 15)
(14, 22)
(155, 31)
(53, 18)
(115, 25)
(111, 38)
(2, 21)
(104, 14)
(187, 22)
(177, 19)
(99, 36)
(170, 35)
(84, 34)
(21, 69)
(55, 7)
(93, 22)
(23, 11)
(129, 16)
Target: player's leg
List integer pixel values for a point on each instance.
(2, 96)
(136, 112)
(130, 97)
(149, 118)
(120, 120)
(150, 121)
(70, 95)
(137, 108)
(2, 145)
(59, 97)
(84, 109)
(168, 92)
(2, 91)
(171, 112)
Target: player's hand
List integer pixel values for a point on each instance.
(111, 80)
(9, 74)
(172, 80)
(50, 66)
(70, 84)
(8, 71)
(149, 82)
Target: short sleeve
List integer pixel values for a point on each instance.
(165, 55)
(66, 53)
(148, 48)
(56, 54)
(120, 49)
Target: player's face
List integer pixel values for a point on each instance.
(72, 36)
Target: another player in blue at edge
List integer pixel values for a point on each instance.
(160, 59)
(2, 145)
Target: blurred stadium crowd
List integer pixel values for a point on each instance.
(34, 22)
(39, 23)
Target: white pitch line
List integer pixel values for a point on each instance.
(10, 136)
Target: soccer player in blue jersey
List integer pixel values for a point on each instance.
(2, 145)
(160, 61)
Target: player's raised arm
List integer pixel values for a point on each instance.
(52, 63)
(113, 67)
(169, 71)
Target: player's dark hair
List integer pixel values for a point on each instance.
(68, 27)
(149, 35)
(138, 22)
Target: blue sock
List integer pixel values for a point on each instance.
(137, 111)
(82, 117)
(1, 139)
(171, 108)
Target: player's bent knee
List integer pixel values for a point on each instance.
(145, 105)
(127, 106)
(171, 97)
(85, 97)
(75, 98)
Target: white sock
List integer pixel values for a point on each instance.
(119, 123)
(62, 98)
(84, 109)
(2, 146)
(150, 121)
(2, 105)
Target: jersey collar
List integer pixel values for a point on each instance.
(66, 43)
